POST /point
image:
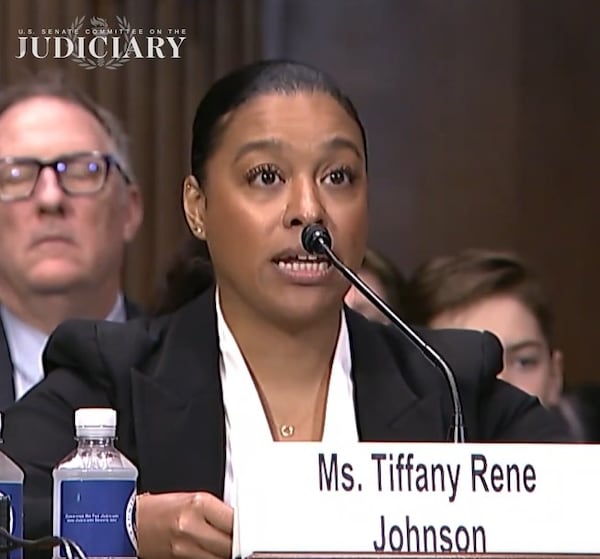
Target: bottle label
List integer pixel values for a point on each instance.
(99, 515)
(15, 514)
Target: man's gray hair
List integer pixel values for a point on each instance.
(55, 85)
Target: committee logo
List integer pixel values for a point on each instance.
(96, 57)
(97, 42)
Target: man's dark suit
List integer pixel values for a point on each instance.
(162, 375)
(7, 385)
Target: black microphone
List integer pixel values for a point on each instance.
(317, 240)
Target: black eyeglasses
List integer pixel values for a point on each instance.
(77, 174)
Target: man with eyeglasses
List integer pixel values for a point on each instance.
(69, 205)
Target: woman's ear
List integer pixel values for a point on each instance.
(194, 206)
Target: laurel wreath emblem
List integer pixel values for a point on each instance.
(90, 63)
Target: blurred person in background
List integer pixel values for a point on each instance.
(497, 292)
(384, 278)
(69, 205)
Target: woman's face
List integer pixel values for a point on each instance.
(281, 163)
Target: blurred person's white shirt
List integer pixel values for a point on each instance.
(26, 345)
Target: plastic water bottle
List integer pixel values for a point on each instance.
(11, 485)
(95, 490)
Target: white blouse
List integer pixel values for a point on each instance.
(244, 415)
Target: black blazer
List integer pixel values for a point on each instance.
(7, 385)
(162, 375)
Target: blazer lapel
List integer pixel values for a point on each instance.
(132, 310)
(178, 407)
(388, 407)
(7, 387)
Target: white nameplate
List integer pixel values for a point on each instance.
(417, 497)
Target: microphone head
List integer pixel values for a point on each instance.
(314, 237)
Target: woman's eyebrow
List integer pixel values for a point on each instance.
(332, 144)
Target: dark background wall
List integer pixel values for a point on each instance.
(483, 118)
(484, 127)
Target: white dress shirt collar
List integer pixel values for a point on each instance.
(26, 345)
(244, 415)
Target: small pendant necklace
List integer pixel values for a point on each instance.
(286, 430)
